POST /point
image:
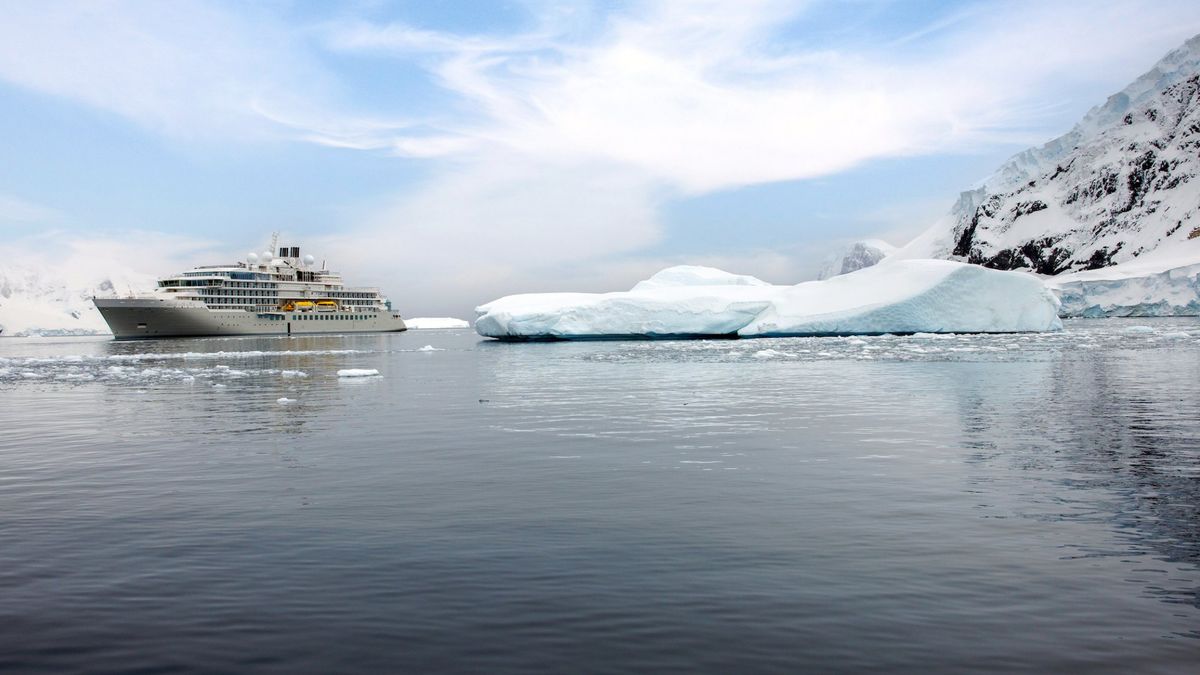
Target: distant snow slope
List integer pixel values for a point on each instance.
(423, 322)
(1124, 182)
(937, 296)
(46, 301)
(856, 256)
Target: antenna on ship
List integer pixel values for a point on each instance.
(274, 241)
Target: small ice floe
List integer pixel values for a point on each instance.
(293, 373)
(423, 322)
(1139, 329)
(430, 348)
(770, 354)
(1177, 334)
(285, 400)
(218, 385)
(358, 372)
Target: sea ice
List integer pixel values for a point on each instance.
(357, 372)
(430, 348)
(904, 296)
(285, 400)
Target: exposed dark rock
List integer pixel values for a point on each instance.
(1026, 208)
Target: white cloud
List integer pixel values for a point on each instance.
(706, 96)
(676, 99)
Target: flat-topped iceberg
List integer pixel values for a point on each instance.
(904, 296)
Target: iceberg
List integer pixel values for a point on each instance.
(427, 322)
(357, 372)
(904, 296)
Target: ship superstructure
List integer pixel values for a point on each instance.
(276, 292)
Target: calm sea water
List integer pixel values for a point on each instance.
(992, 503)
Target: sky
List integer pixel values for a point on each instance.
(454, 152)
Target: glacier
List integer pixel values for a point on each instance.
(1166, 283)
(904, 296)
(49, 300)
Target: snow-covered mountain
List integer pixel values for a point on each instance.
(855, 257)
(57, 301)
(1123, 183)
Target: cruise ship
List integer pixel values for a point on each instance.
(268, 294)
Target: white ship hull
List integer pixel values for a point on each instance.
(162, 317)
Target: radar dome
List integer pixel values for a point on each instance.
(309, 260)
(265, 256)
(252, 258)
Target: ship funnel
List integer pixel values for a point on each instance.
(295, 252)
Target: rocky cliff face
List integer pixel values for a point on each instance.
(1124, 182)
(856, 256)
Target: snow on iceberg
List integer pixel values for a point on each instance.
(905, 296)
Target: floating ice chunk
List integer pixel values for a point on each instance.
(1176, 334)
(908, 296)
(424, 322)
(357, 372)
(771, 354)
(293, 373)
(1139, 329)
(430, 348)
(285, 400)
(218, 385)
